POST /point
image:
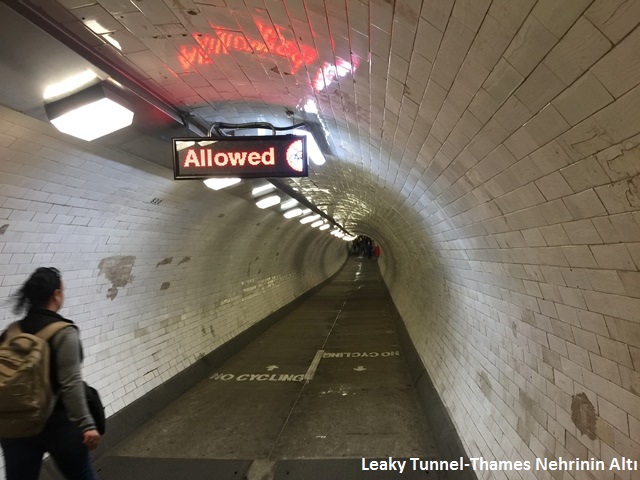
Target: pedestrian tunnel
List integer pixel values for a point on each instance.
(322, 392)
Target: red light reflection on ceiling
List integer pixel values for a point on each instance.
(224, 41)
(274, 43)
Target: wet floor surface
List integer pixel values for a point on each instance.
(328, 381)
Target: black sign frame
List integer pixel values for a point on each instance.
(279, 143)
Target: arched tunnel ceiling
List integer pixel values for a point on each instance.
(433, 108)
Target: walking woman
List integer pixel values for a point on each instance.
(70, 430)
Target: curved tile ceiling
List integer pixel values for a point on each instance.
(415, 96)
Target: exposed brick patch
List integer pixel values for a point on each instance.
(166, 261)
(583, 415)
(117, 270)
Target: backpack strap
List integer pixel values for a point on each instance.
(13, 330)
(50, 330)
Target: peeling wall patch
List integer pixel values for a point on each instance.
(3, 228)
(184, 260)
(166, 261)
(583, 415)
(117, 270)
(165, 285)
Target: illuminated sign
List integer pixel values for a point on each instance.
(244, 157)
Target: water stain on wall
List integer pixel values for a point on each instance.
(485, 384)
(166, 261)
(117, 270)
(3, 228)
(523, 432)
(165, 285)
(184, 260)
(583, 415)
(528, 317)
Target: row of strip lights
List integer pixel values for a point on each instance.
(290, 207)
(74, 120)
(292, 210)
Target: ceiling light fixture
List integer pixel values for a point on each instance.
(220, 183)
(269, 201)
(112, 41)
(91, 113)
(96, 28)
(262, 189)
(289, 204)
(309, 219)
(296, 212)
(317, 224)
(324, 227)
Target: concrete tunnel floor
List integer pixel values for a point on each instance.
(302, 390)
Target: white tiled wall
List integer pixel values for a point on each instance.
(492, 147)
(524, 300)
(191, 272)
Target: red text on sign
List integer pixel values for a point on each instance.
(205, 157)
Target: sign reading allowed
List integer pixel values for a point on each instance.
(244, 157)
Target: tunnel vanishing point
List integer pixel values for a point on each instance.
(490, 147)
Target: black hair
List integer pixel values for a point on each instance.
(38, 289)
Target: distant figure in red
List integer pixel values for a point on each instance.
(377, 251)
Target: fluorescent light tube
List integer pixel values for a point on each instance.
(289, 204)
(309, 219)
(220, 183)
(269, 201)
(295, 212)
(262, 189)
